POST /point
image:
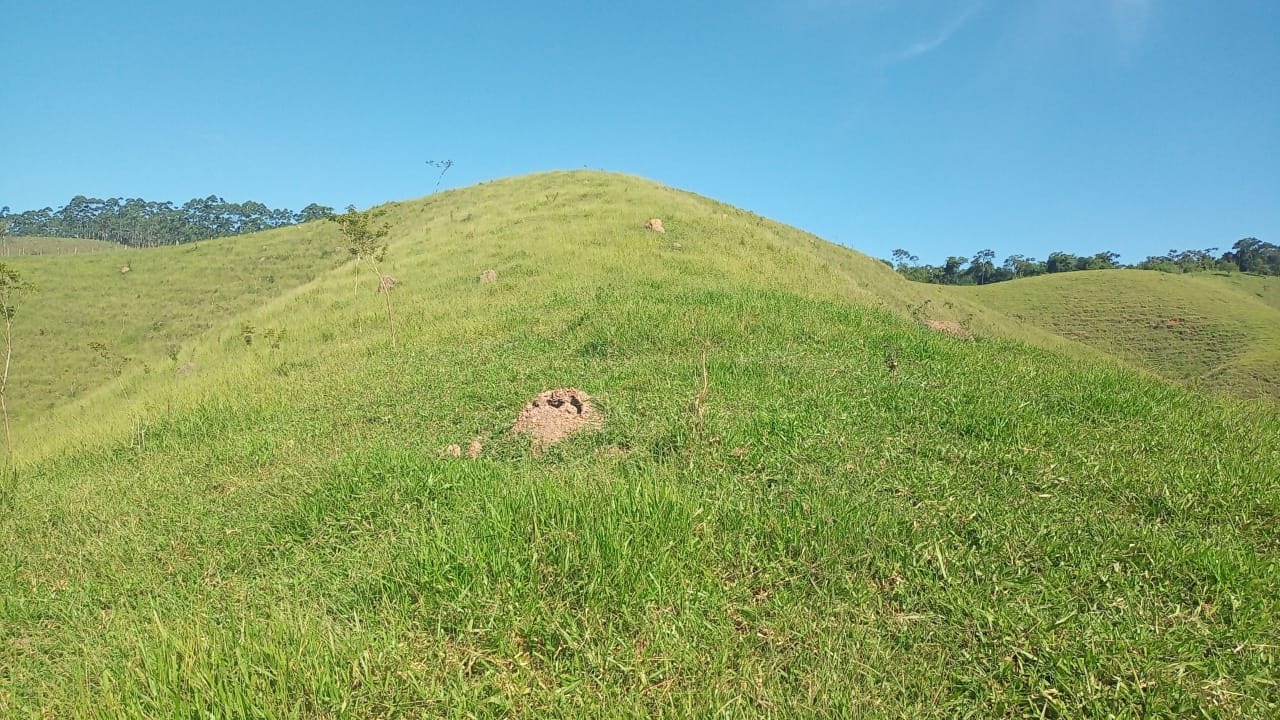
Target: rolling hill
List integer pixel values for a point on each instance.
(1214, 331)
(799, 500)
(107, 310)
(39, 246)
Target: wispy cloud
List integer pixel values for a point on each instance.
(935, 41)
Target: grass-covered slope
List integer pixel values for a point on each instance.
(1218, 332)
(855, 516)
(156, 310)
(41, 246)
(108, 310)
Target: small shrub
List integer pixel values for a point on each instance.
(274, 337)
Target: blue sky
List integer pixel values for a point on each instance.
(941, 127)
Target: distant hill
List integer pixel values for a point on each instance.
(20, 246)
(139, 306)
(803, 487)
(1215, 331)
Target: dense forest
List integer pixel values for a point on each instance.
(142, 223)
(1248, 255)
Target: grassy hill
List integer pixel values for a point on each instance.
(139, 307)
(133, 311)
(801, 501)
(39, 246)
(1218, 332)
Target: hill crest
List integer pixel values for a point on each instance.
(797, 499)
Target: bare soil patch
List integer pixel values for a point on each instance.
(555, 414)
(950, 327)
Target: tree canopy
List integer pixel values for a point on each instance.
(1249, 255)
(144, 223)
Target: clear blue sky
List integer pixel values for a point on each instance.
(941, 127)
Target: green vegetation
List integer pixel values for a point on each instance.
(982, 270)
(1217, 331)
(366, 241)
(848, 514)
(1249, 255)
(13, 289)
(19, 246)
(149, 309)
(141, 223)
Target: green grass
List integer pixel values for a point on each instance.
(862, 518)
(40, 246)
(1216, 331)
(148, 317)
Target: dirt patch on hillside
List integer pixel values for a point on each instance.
(1176, 324)
(555, 414)
(950, 327)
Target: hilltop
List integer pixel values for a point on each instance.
(156, 310)
(798, 499)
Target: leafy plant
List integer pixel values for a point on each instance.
(919, 312)
(274, 336)
(12, 289)
(365, 240)
(110, 356)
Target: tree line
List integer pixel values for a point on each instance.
(1249, 255)
(143, 223)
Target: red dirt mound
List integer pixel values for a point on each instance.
(555, 414)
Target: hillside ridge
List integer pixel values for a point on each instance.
(792, 497)
(134, 305)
